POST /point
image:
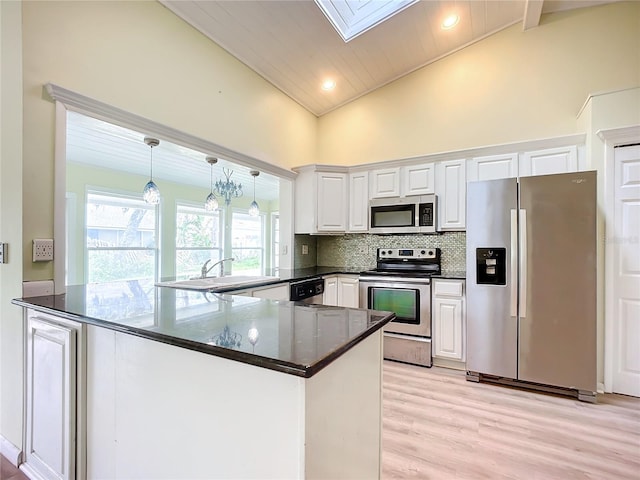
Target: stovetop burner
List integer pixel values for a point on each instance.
(407, 262)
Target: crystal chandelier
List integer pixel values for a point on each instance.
(227, 188)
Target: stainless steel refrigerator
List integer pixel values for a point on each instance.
(531, 281)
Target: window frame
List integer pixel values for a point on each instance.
(197, 206)
(126, 195)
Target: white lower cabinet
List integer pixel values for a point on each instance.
(54, 379)
(449, 325)
(341, 290)
(348, 291)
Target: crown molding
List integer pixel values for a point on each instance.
(94, 108)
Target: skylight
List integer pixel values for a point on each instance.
(350, 18)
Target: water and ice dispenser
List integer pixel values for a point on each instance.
(491, 266)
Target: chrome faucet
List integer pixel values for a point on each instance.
(204, 270)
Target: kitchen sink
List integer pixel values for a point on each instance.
(213, 283)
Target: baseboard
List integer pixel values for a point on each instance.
(29, 471)
(447, 363)
(10, 451)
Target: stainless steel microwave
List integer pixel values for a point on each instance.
(404, 215)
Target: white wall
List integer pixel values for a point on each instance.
(11, 368)
(140, 57)
(510, 87)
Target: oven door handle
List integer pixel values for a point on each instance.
(390, 281)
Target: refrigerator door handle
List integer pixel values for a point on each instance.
(514, 262)
(523, 263)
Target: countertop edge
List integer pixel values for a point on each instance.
(305, 371)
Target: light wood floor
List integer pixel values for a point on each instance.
(436, 425)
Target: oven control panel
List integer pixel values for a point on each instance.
(408, 253)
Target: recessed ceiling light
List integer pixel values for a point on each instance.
(328, 85)
(450, 22)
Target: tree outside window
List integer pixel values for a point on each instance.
(121, 238)
(247, 243)
(198, 239)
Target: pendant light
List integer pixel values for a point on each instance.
(151, 193)
(254, 209)
(211, 203)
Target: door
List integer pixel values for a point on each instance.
(348, 295)
(385, 183)
(359, 202)
(626, 271)
(451, 188)
(418, 179)
(492, 327)
(549, 161)
(332, 202)
(558, 280)
(51, 394)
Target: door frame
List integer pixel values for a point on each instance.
(611, 138)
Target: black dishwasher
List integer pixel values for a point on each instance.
(309, 290)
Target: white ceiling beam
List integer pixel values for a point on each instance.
(532, 14)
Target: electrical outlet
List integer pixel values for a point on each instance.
(42, 250)
(3, 253)
(305, 249)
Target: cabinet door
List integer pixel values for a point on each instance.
(385, 183)
(359, 202)
(348, 294)
(332, 202)
(330, 296)
(451, 188)
(51, 394)
(549, 161)
(418, 179)
(447, 328)
(493, 167)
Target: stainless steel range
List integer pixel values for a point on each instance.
(401, 283)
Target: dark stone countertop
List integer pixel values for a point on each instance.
(288, 337)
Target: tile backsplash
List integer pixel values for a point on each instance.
(359, 250)
(309, 259)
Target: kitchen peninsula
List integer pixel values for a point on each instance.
(166, 383)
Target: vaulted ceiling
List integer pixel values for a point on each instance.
(293, 44)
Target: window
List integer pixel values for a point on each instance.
(247, 243)
(198, 239)
(121, 238)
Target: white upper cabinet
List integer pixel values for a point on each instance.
(549, 161)
(359, 202)
(332, 202)
(418, 179)
(451, 188)
(385, 183)
(321, 200)
(493, 167)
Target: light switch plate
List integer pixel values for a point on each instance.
(42, 250)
